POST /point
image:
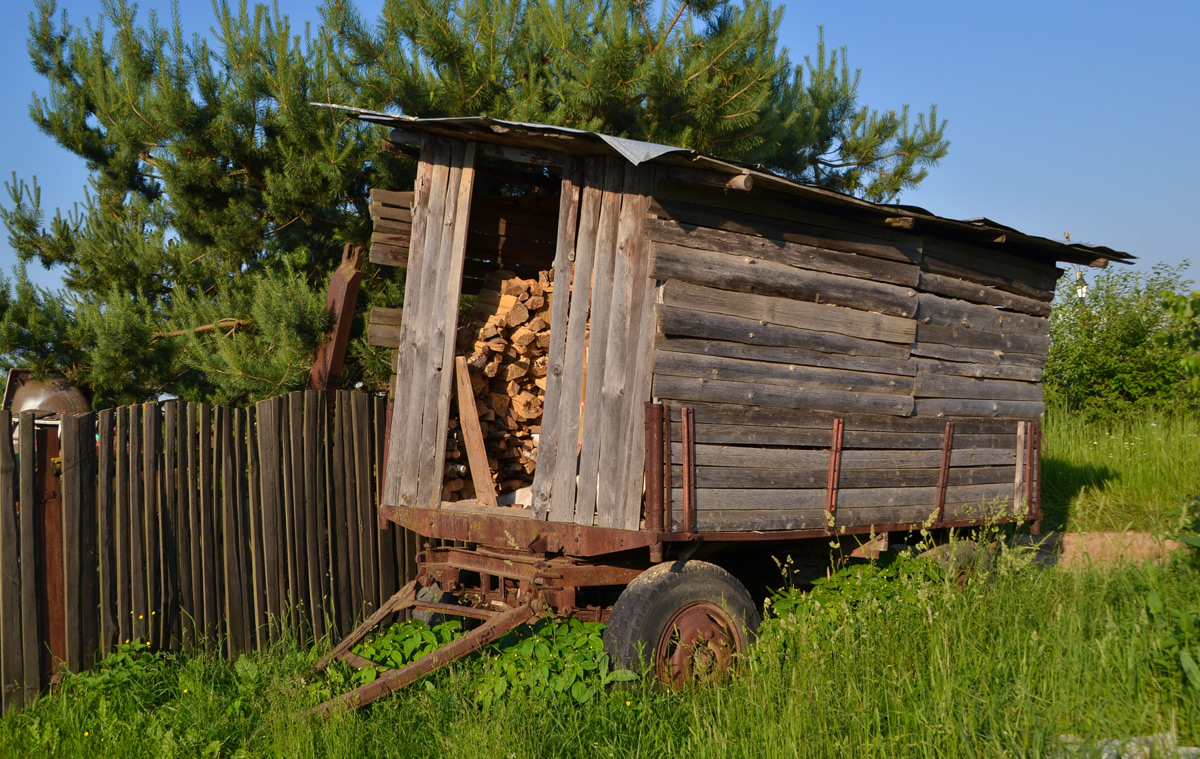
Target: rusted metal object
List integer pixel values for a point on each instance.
(343, 295)
(55, 393)
(49, 549)
(944, 471)
(687, 435)
(1035, 480)
(395, 679)
(835, 472)
(668, 524)
(698, 643)
(401, 600)
(654, 466)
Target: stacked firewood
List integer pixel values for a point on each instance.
(505, 337)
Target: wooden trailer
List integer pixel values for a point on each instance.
(732, 361)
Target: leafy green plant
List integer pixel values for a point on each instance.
(402, 643)
(1177, 637)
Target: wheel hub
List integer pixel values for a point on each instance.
(698, 644)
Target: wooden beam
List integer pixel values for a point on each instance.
(468, 421)
(343, 294)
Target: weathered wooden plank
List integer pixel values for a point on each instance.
(383, 335)
(720, 391)
(86, 545)
(259, 628)
(209, 570)
(31, 634)
(563, 488)
(468, 420)
(848, 499)
(368, 530)
(738, 434)
(786, 355)
(350, 516)
(977, 355)
(139, 610)
(782, 220)
(151, 448)
(597, 353)
(72, 496)
(323, 504)
(936, 310)
(169, 514)
(444, 327)
(400, 200)
(312, 505)
(387, 530)
(948, 386)
(816, 478)
(242, 421)
(12, 671)
(338, 529)
(629, 271)
(728, 413)
(747, 274)
(106, 549)
(269, 485)
(570, 195)
(234, 607)
(685, 322)
(186, 532)
(944, 256)
(986, 408)
(799, 255)
(787, 375)
(296, 506)
(818, 317)
(750, 457)
(982, 371)
(966, 337)
(121, 531)
(953, 287)
(430, 187)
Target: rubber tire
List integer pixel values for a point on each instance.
(653, 598)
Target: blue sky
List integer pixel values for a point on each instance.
(1064, 116)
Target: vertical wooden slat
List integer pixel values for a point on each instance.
(169, 524)
(72, 496)
(259, 630)
(349, 521)
(207, 568)
(12, 673)
(452, 257)
(231, 575)
(320, 510)
(337, 523)
(242, 528)
(123, 554)
(106, 547)
(433, 171)
(194, 618)
(31, 631)
(597, 354)
(387, 531)
(311, 540)
(296, 531)
(269, 462)
(1019, 501)
(137, 546)
(368, 530)
(564, 262)
(563, 487)
(151, 444)
(88, 577)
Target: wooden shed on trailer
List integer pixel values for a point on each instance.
(684, 355)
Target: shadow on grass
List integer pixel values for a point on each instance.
(1062, 480)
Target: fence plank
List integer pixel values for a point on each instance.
(169, 523)
(137, 546)
(87, 574)
(268, 442)
(207, 536)
(387, 532)
(368, 529)
(191, 557)
(151, 446)
(11, 665)
(122, 559)
(348, 521)
(106, 556)
(312, 559)
(295, 530)
(321, 512)
(259, 628)
(241, 527)
(230, 576)
(31, 636)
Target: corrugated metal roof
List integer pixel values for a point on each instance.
(979, 231)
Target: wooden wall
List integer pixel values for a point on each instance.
(774, 319)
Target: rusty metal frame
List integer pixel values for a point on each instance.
(687, 434)
(835, 473)
(668, 525)
(944, 471)
(654, 466)
(1033, 476)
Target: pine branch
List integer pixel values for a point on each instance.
(228, 323)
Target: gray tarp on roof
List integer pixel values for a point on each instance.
(979, 231)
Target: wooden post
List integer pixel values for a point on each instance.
(342, 297)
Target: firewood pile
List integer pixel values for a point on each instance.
(505, 338)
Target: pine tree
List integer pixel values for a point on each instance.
(219, 199)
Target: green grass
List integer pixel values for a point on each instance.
(1127, 474)
(1000, 668)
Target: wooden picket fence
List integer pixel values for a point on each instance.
(181, 525)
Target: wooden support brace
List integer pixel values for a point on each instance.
(403, 599)
(468, 420)
(835, 471)
(944, 471)
(688, 438)
(666, 458)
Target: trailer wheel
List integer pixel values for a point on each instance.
(688, 620)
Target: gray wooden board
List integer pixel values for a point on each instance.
(720, 391)
(349, 519)
(268, 458)
(785, 355)
(339, 534)
(981, 408)
(151, 447)
(564, 259)
(949, 386)
(137, 546)
(255, 579)
(817, 317)
(368, 528)
(106, 501)
(12, 673)
(983, 371)
(818, 477)
(189, 551)
(781, 221)
(387, 542)
(31, 638)
(602, 285)
(769, 373)
(953, 287)
(448, 292)
(1036, 275)
(800, 255)
(686, 322)
(728, 413)
(936, 310)
(313, 506)
(72, 492)
(977, 355)
(752, 275)
(746, 434)
(747, 456)
(430, 184)
(1009, 342)
(563, 488)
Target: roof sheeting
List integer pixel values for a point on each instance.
(980, 231)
